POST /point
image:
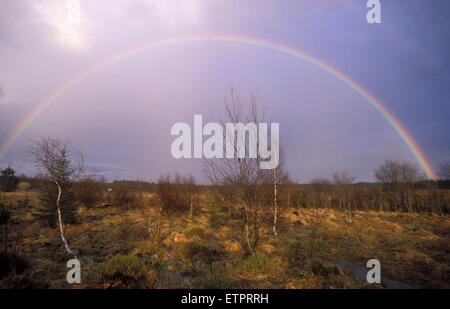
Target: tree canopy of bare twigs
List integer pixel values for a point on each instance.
(344, 186)
(243, 174)
(399, 179)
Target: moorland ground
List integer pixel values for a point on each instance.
(137, 247)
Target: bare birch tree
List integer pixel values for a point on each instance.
(319, 200)
(344, 186)
(275, 205)
(280, 189)
(400, 180)
(62, 164)
(190, 191)
(244, 174)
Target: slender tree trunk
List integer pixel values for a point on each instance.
(275, 210)
(191, 207)
(380, 199)
(61, 231)
(349, 210)
(161, 209)
(247, 232)
(289, 196)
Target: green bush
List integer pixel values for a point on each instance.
(46, 210)
(131, 270)
(295, 254)
(217, 220)
(23, 186)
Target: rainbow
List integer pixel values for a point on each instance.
(82, 75)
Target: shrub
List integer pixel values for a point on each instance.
(125, 197)
(295, 254)
(89, 192)
(148, 252)
(130, 270)
(195, 251)
(258, 265)
(8, 181)
(173, 196)
(46, 211)
(154, 226)
(23, 186)
(217, 220)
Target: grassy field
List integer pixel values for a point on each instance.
(138, 248)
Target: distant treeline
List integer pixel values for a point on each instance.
(152, 187)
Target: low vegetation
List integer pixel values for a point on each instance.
(247, 229)
(137, 247)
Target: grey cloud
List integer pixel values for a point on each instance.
(121, 115)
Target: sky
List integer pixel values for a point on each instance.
(120, 117)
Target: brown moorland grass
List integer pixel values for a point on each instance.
(206, 251)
